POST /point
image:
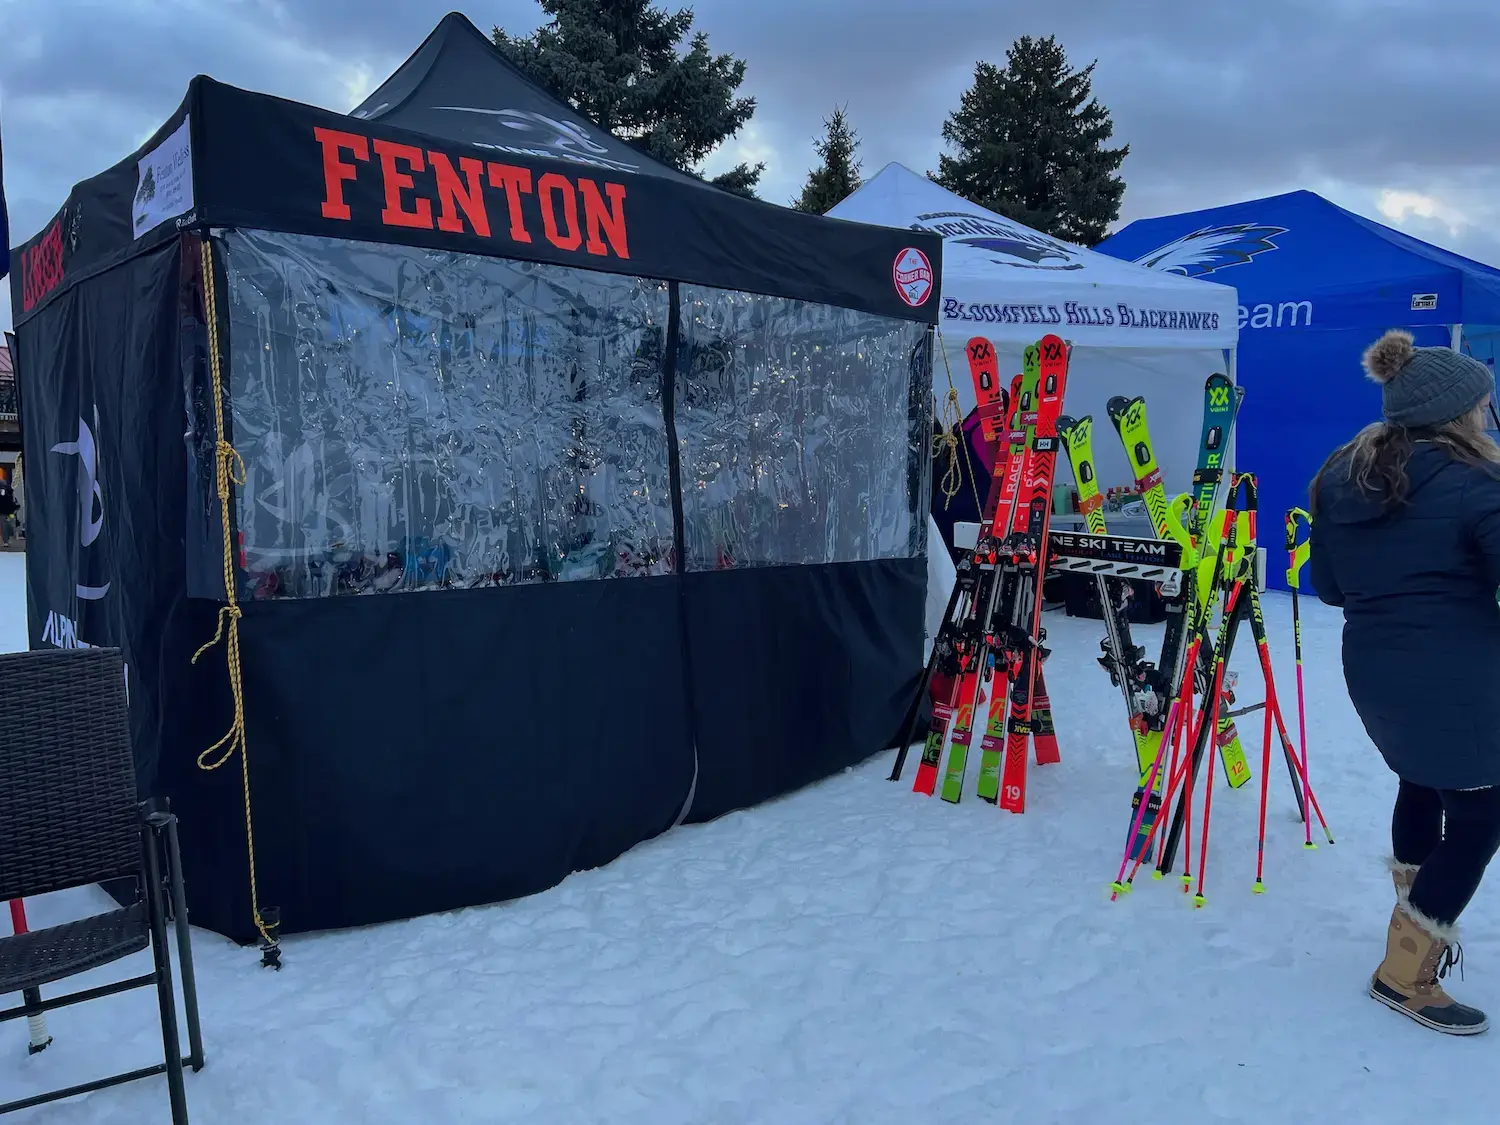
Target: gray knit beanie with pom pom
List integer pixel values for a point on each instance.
(1425, 386)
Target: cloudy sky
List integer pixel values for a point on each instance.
(1385, 106)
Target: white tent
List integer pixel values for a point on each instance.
(1134, 330)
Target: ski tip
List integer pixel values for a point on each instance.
(1258, 888)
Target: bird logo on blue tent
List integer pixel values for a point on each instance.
(1212, 248)
(1020, 246)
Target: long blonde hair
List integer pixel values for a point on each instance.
(1377, 456)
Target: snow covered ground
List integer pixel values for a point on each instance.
(850, 954)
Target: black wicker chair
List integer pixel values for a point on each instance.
(69, 817)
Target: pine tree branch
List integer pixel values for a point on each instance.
(621, 64)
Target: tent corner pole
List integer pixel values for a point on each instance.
(1231, 361)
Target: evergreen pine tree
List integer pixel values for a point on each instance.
(1029, 141)
(838, 175)
(617, 63)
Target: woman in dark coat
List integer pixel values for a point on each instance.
(1406, 538)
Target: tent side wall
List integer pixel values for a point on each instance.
(496, 423)
(414, 752)
(101, 374)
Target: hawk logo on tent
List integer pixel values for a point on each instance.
(90, 495)
(1212, 248)
(547, 136)
(989, 234)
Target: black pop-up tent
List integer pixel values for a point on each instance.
(540, 496)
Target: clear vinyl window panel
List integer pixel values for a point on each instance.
(802, 432)
(413, 419)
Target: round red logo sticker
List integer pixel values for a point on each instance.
(913, 276)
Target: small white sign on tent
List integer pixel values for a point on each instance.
(1134, 331)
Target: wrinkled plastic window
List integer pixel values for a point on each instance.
(413, 419)
(802, 432)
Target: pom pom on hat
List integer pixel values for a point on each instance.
(1385, 358)
(1425, 386)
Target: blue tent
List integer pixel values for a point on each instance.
(1317, 284)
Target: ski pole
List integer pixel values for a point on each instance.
(1297, 557)
(1263, 649)
(1208, 808)
(1152, 853)
(1312, 798)
(36, 1023)
(1176, 780)
(1120, 886)
(1187, 804)
(1259, 887)
(1182, 819)
(1210, 723)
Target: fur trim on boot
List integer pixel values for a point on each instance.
(1402, 874)
(1418, 953)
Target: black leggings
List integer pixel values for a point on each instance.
(1452, 855)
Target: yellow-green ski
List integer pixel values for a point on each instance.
(1129, 417)
(1077, 435)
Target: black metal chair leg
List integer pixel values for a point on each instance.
(184, 948)
(167, 1001)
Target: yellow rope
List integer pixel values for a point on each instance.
(950, 440)
(947, 441)
(231, 472)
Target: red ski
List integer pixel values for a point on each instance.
(1029, 551)
(970, 656)
(989, 395)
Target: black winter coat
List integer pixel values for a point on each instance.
(1421, 624)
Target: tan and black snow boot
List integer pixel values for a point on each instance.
(1418, 953)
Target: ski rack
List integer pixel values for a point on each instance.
(1119, 556)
